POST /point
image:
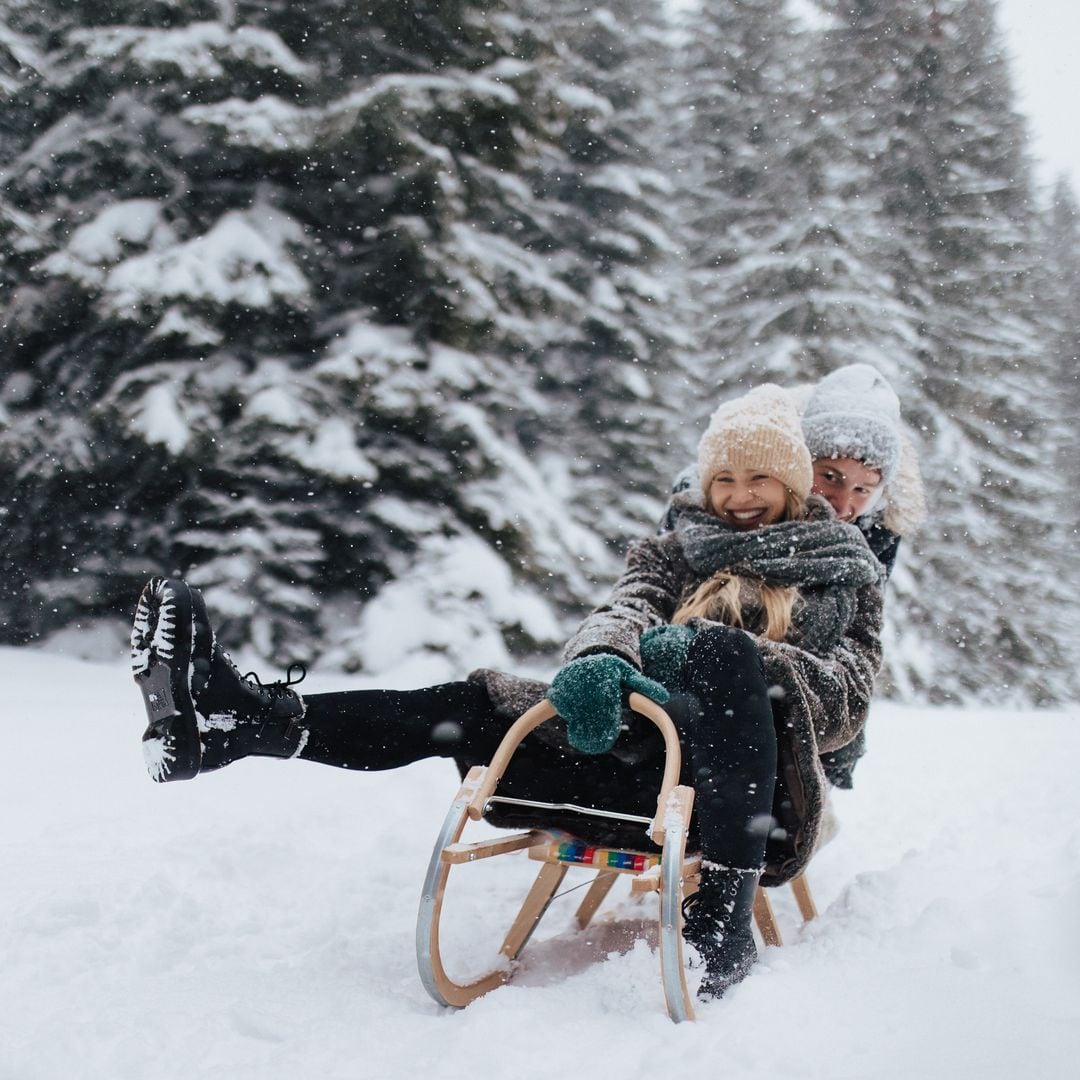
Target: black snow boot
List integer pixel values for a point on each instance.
(202, 713)
(717, 922)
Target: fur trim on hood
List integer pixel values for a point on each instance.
(904, 502)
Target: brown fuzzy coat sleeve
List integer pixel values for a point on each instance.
(647, 594)
(831, 693)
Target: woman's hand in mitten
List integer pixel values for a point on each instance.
(587, 694)
(664, 650)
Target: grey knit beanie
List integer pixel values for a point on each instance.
(759, 430)
(855, 413)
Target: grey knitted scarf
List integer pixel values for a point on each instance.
(827, 559)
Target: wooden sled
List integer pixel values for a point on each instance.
(672, 874)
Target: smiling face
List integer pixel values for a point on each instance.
(747, 498)
(848, 485)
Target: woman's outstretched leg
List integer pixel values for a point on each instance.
(385, 729)
(203, 715)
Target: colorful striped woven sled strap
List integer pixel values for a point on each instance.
(581, 853)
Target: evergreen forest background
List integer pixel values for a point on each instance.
(388, 324)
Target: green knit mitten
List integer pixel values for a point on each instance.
(587, 694)
(663, 653)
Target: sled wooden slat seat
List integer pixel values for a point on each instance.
(671, 873)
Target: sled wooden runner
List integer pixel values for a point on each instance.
(671, 873)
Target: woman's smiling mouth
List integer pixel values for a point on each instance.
(747, 517)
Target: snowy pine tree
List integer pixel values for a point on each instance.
(930, 117)
(1058, 296)
(368, 319)
(1060, 291)
(777, 211)
(622, 372)
(282, 321)
(857, 191)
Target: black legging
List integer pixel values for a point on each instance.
(723, 716)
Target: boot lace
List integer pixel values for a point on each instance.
(698, 927)
(695, 910)
(689, 903)
(282, 686)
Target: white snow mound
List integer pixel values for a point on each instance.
(258, 922)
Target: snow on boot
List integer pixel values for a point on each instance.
(717, 922)
(202, 714)
(241, 717)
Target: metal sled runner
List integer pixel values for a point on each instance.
(671, 873)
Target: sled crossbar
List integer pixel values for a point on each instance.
(589, 811)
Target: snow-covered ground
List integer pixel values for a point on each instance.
(258, 922)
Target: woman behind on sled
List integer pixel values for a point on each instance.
(755, 622)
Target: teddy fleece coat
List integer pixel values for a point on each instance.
(821, 701)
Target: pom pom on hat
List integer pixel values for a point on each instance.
(759, 430)
(855, 413)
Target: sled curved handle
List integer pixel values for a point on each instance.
(543, 711)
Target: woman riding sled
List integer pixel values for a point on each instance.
(866, 468)
(755, 622)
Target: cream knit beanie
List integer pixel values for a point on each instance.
(759, 430)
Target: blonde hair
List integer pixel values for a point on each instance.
(720, 597)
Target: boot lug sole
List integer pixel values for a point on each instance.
(172, 746)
